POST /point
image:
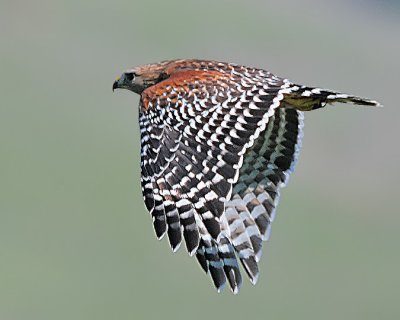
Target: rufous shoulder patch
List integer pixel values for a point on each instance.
(180, 81)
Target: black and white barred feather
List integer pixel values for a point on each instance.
(218, 142)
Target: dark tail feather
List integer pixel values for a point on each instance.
(306, 98)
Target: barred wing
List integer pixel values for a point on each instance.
(196, 134)
(266, 168)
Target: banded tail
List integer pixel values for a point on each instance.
(305, 98)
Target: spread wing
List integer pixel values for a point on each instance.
(205, 135)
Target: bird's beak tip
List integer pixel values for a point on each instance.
(115, 86)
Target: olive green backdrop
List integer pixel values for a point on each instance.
(75, 239)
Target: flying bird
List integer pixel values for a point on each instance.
(218, 142)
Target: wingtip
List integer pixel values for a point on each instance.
(193, 251)
(235, 290)
(176, 248)
(254, 279)
(160, 236)
(258, 256)
(220, 288)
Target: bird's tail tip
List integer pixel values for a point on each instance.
(307, 98)
(345, 98)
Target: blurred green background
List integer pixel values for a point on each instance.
(75, 239)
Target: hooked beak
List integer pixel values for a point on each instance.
(115, 84)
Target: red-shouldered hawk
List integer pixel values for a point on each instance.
(218, 141)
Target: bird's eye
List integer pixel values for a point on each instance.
(130, 76)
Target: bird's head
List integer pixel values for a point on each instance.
(139, 78)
